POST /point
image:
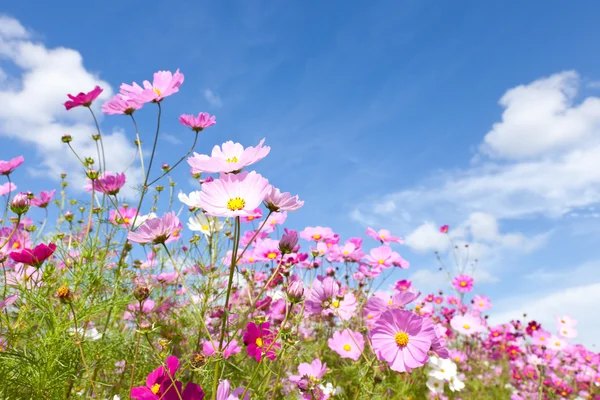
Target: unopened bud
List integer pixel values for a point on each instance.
(66, 138)
(160, 188)
(295, 291)
(69, 216)
(288, 241)
(88, 161)
(19, 204)
(141, 293)
(96, 137)
(198, 360)
(165, 167)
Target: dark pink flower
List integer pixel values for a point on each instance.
(259, 341)
(6, 167)
(444, 229)
(161, 384)
(199, 123)
(83, 99)
(34, 257)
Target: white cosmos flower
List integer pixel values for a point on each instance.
(329, 390)
(455, 384)
(443, 369)
(190, 200)
(435, 385)
(206, 225)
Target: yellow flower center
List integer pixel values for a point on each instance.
(335, 304)
(457, 358)
(463, 284)
(251, 259)
(126, 221)
(259, 342)
(481, 304)
(442, 370)
(557, 344)
(401, 339)
(542, 338)
(205, 227)
(316, 236)
(271, 255)
(369, 316)
(155, 388)
(390, 303)
(232, 159)
(467, 326)
(381, 262)
(236, 204)
(16, 245)
(250, 218)
(347, 347)
(403, 287)
(158, 92)
(383, 236)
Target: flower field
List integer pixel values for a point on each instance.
(207, 294)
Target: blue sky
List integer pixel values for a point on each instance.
(377, 114)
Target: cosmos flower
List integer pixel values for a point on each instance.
(7, 167)
(277, 201)
(199, 123)
(107, 183)
(231, 348)
(233, 195)
(164, 84)
(258, 339)
(309, 374)
(444, 229)
(467, 324)
(463, 283)
(7, 187)
(325, 299)
(228, 158)
(156, 230)
(192, 200)
(224, 392)
(402, 285)
(347, 343)
(382, 257)
(481, 303)
(34, 257)
(203, 224)
(121, 104)
(384, 236)
(161, 384)
(317, 233)
(83, 99)
(256, 216)
(43, 199)
(401, 339)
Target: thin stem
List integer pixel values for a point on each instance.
(101, 142)
(7, 200)
(81, 349)
(139, 144)
(178, 162)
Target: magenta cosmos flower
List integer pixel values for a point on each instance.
(156, 230)
(121, 104)
(199, 123)
(229, 157)
(43, 199)
(107, 183)
(259, 341)
(317, 233)
(34, 257)
(402, 339)
(6, 167)
(444, 229)
(463, 283)
(161, 384)
(467, 324)
(164, 84)
(233, 195)
(384, 236)
(277, 201)
(83, 99)
(347, 343)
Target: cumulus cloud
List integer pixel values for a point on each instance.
(212, 98)
(32, 109)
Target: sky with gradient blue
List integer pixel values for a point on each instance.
(358, 101)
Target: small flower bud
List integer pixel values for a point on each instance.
(288, 241)
(160, 188)
(66, 138)
(63, 175)
(64, 294)
(165, 167)
(137, 142)
(295, 292)
(141, 293)
(19, 204)
(30, 195)
(69, 216)
(88, 161)
(96, 137)
(92, 174)
(198, 360)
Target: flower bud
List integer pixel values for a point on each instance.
(295, 291)
(30, 195)
(88, 161)
(198, 360)
(165, 167)
(141, 293)
(69, 216)
(96, 137)
(19, 204)
(288, 241)
(66, 138)
(64, 294)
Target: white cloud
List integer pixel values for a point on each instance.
(541, 116)
(167, 137)
(427, 238)
(212, 98)
(32, 111)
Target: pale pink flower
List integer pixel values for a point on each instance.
(463, 283)
(347, 343)
(199, 123)
(317, 233)
(156, 230)
(121, 104)
(277, 201)
(234, 195)
(384, 236)
(7, 187)
(164, 84)
(229, 157)
(7, 167)
(467, 324)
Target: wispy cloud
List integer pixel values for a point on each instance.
(212, 98)
(169, 138)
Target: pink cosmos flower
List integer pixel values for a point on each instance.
(34, 257)
(161, 384)
(7, 187)
(326, 299)
(234, 195)
(229, 157)
(164, 84)
(467, 324)
(83, 99)
(257, 215)
(444, 229)
(384, 236)
(156, 230)
(317, 233)
(347, 343)
(43, 199)
(229, 350)
(258, 339)
(199, 123)
(224, 392)
(277, 201)
(402, 339)
(8, 301)
(566, 320)
(267, 250)
(107, 183)
(463, 283)
(382, 302)
(121, 104)
(567, 332)
(382, 257)
(276, 218)
(403, 285)
(124, 216)
(557, 344)
(309, 374)
(481, 303)
(6, 167)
